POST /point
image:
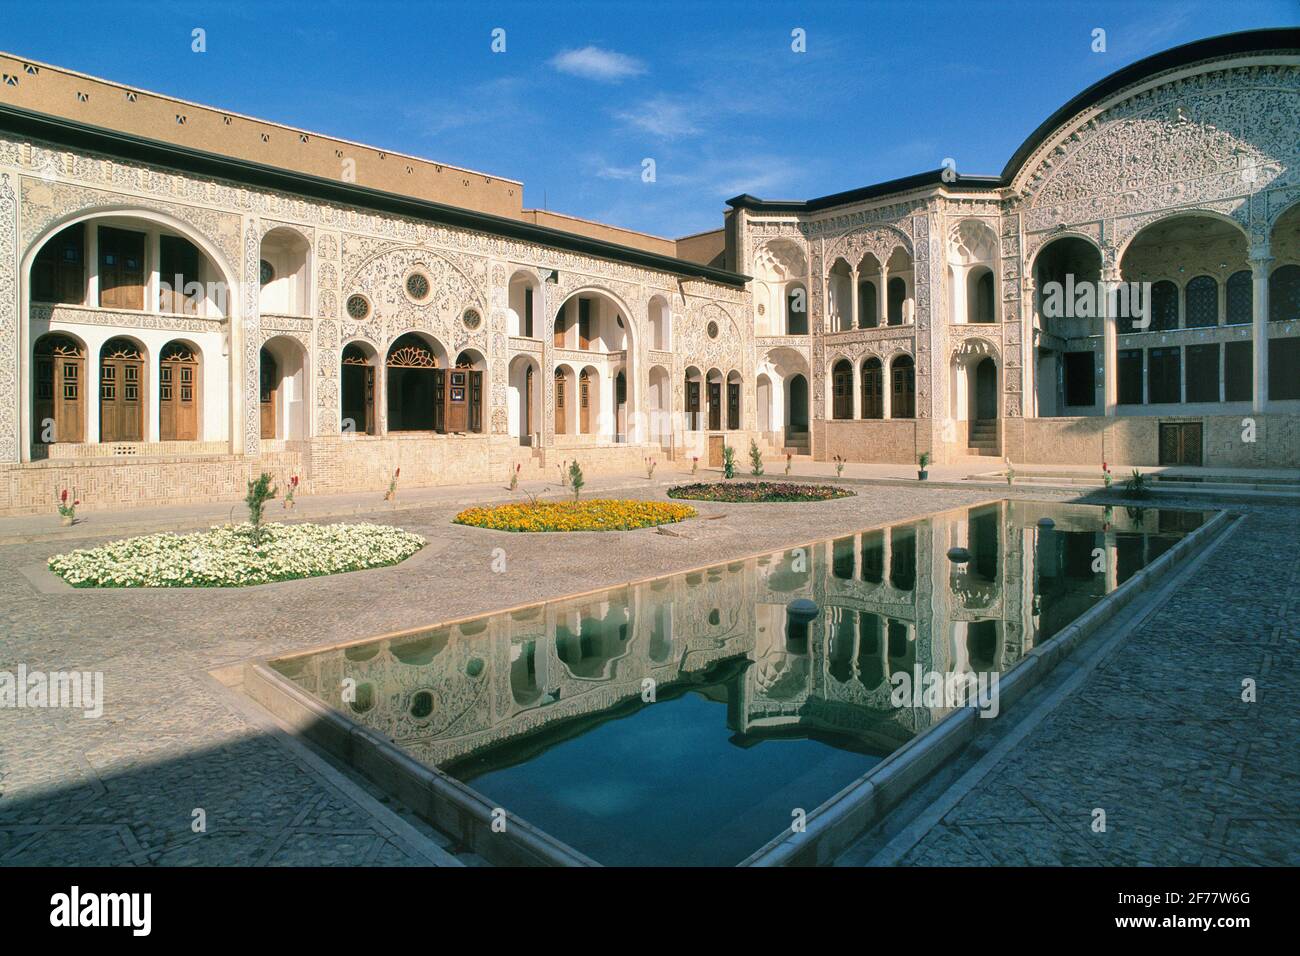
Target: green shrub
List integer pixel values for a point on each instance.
(259, 493)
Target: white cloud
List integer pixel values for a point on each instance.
(661, 117)
(593, 63)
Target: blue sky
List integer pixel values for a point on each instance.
(585, 92)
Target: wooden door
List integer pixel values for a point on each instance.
(60, 372)
(715, 406)
(268, 378)
(526, 418)
(440, 400)
(1180, 443)
(716, 443)
(584, 403)
(559, 326)
(121, 269)
(357, 386)
(733, 405)
(178, 394)
(873, 396)
(584, 323)
(842, 393)
(59, 271)
(121, 392)
(457, 413)
(475, 401)
(903, 400)
(693, 405)
(560, 398)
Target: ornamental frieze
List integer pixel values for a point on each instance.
(160, 321)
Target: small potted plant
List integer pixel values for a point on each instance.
(650, 468)
(922, 462)
(1011, 471)
(728, 462)
(840, 462)
(789, 462)
(1106, 476)
(695, 464)
(68, 508)
(290, 488)
(564, 473)
(391, 493)
(514, 477)
(755, 459)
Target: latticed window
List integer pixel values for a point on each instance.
(1201, 302)
(842, 389)
(1241, 298)
(357, 306)
(1164, 306)
(1284, 295)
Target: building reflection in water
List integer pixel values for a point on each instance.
(890, 600)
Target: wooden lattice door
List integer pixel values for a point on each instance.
(121, 392)
(178, 393)
(268, 388)
(60, 374)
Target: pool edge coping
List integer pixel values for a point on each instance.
(835, 824)
(469, 817)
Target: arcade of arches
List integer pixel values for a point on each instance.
(1100, 302)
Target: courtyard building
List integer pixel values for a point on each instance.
(189, 297)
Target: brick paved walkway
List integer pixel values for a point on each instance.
(123, 788)
(1159, 737)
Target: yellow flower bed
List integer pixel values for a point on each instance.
(599, 514)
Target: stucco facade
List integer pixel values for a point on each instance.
(878, 324)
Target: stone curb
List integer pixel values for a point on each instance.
(459, 811)
(837, 823)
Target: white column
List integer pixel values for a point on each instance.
(1259, 263)
(886, 390)
(153, 412)
(959, 294)
(91, 391)
(154, 239)
(1110, 347)
(856, 388)
(853, 299)
(882, 300)
(92, 264)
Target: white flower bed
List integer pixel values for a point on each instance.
(224, 557)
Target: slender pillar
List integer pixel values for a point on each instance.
(853, 299)
(882, 300)
(959, 273)
(1110, 345)
(1260, 260)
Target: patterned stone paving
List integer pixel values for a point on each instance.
(1187, 778)
(1159, 737)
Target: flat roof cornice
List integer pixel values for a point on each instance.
(78, 135)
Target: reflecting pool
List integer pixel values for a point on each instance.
(684, 720)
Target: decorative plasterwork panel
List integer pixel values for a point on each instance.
(9, 450)
(45, 203)
(876, 241)
(1217, 135)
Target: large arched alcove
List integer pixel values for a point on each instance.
(524, 399)
(1067, 271)
(284, 272)
(358, 368)
(282, 388)
(122, 272)
(415, 372)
